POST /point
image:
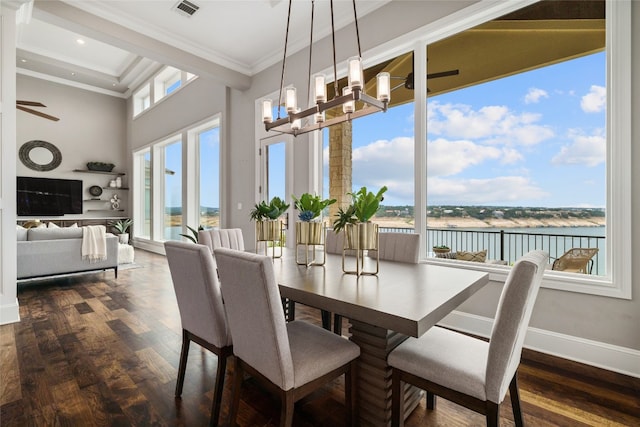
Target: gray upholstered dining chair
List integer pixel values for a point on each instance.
(201, 311)
(400, 247)
(466, 370)
(221, 238)
(290, 359)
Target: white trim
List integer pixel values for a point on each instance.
(619, 193)
(602, 355)
(618, 282)
(10, 313)
(71, 83)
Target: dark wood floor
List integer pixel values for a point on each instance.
(91, 350)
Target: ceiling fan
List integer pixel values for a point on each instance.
(408, 82)
(20, 105)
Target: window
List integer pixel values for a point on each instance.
(164, 83)
(177, 183)
(142, 99)
(142, 198)
(209, 155)
(172, 183)
(607, 137)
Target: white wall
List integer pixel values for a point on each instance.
(8, 292)
(92, 127)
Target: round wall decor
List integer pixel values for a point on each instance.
(95, 190)
(40, 155)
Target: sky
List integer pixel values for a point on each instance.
(535, 139)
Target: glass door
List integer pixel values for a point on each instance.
(276, 166)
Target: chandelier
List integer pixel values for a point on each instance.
(298, 121)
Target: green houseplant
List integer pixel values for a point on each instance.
(310, 207)
(122, 227)
(360, 233)
(194, 233)
(363, 207)
(266, 215)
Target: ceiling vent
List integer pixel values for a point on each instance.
(186, 8)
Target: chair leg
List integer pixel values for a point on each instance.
(292, 311)
(431, 400)
(286, 413)
(397, 409)
(218, 390)
(350, 394)
(238, 376)
(184, 353)
(493, 412)
(515, 401)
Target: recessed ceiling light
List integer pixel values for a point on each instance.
(80, 41)
(114, 84)
(23, 60)
(73, 74)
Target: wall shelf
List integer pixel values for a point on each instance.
(99, 172)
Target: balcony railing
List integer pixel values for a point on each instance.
(509, 246)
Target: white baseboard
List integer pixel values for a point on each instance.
(9, 313)
(602, 355)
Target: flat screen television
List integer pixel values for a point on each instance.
(48, 196)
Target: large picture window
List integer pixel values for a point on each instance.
(538, 140)
(177, 184)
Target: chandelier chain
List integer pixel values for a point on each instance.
(333, 41)
(313, 4)
(355, 17)
(284, 60)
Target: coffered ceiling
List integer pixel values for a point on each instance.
(111, 46)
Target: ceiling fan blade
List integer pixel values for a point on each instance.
(31, 103)
(37, 113)
(398, 86)
(443, 74)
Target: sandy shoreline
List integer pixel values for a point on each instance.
(457, 222)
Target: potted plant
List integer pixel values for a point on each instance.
(266, 215)
(194, 233)
(309, 228)
(356, 219)
(441, 249)
(122, 227)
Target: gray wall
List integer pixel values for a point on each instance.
(199, 99)
(92, 127)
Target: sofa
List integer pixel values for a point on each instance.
(50, 251)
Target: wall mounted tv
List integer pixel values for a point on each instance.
(47, 196)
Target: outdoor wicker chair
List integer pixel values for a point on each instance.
(576, 260)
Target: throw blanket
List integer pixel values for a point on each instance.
(94, 243)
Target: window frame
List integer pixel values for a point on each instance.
(156, 86)
(188, 137)
(617, 282)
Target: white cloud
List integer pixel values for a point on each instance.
(510, 156)
(595, 101)
(503, 190)
(534, 95)
(584, 150)
(387, 163)
(493, 124)
(452, 157)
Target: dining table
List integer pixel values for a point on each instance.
(402, 300)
